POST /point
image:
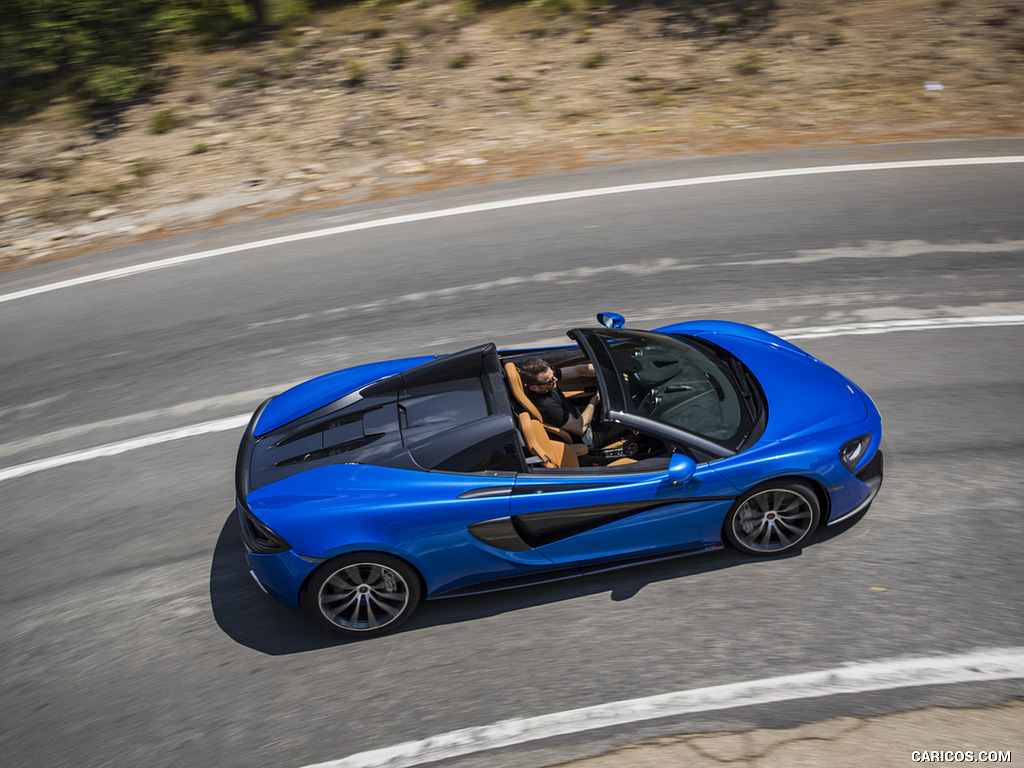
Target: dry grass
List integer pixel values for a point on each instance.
(377, 100)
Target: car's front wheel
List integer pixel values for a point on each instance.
(773, 518)
(363, 594)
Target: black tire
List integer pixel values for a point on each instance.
(773, 518)
(363, 594)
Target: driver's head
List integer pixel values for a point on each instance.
(537, 375)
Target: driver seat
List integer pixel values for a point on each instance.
(552, 453)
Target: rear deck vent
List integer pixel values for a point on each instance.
(323, 426)
(333, 450)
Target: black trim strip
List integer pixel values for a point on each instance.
(527, 490)
(486, 493)
(243, 460)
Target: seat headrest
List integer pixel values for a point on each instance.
(515, 384)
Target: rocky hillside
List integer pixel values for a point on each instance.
(373, 101)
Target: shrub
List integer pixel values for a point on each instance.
(724, 24)
(399, 55)
(357, 73)
(750, 64)
(835, 36)
(556, 7)
(163, 121)
(141, 169)
(466, 9)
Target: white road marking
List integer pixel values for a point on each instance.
(889, 326)
(236, 422)
(496, 205)
(654, 268)
(159, 415)
(977, 666)
(113, 449)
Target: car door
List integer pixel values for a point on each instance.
(582, 516)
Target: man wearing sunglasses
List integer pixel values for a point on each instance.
(540, 380)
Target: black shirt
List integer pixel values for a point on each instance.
(555, 408)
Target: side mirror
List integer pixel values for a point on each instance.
(680, 468)
(611, 319)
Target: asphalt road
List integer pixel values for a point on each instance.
(133, 636)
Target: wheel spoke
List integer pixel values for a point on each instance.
(784, 540)
(343, 580)
(371, 617)
(766, 536)
(334, 613)
(332, 597)
(781, 526)
(390, 610)
(373, 576)
(794, 503)
(788, 525)
(757, 531)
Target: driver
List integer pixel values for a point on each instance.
(540, 380)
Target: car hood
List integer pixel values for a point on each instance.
(804, 395)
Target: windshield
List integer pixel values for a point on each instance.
(686, 383)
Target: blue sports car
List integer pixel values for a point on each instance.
(364, 491)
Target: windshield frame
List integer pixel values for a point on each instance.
(619, 406)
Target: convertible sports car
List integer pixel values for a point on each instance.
(363, 491)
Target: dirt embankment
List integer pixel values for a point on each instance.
(374, 101)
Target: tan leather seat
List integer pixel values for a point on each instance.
(553, 453)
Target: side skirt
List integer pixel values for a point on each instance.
(561, 574)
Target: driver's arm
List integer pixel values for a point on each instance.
(578, 425)
(581, 371)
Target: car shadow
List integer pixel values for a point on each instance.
(253, 619)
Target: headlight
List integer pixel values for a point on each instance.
(853, 451)
(259, 538)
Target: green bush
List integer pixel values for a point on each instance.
(466, 9)
(357, 73)
(750, 64)
(399, 55)
(100, 51)
(163, 121)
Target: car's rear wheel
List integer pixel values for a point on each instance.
(773, 518)
(363, 594)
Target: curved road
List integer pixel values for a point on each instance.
(133, 636)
